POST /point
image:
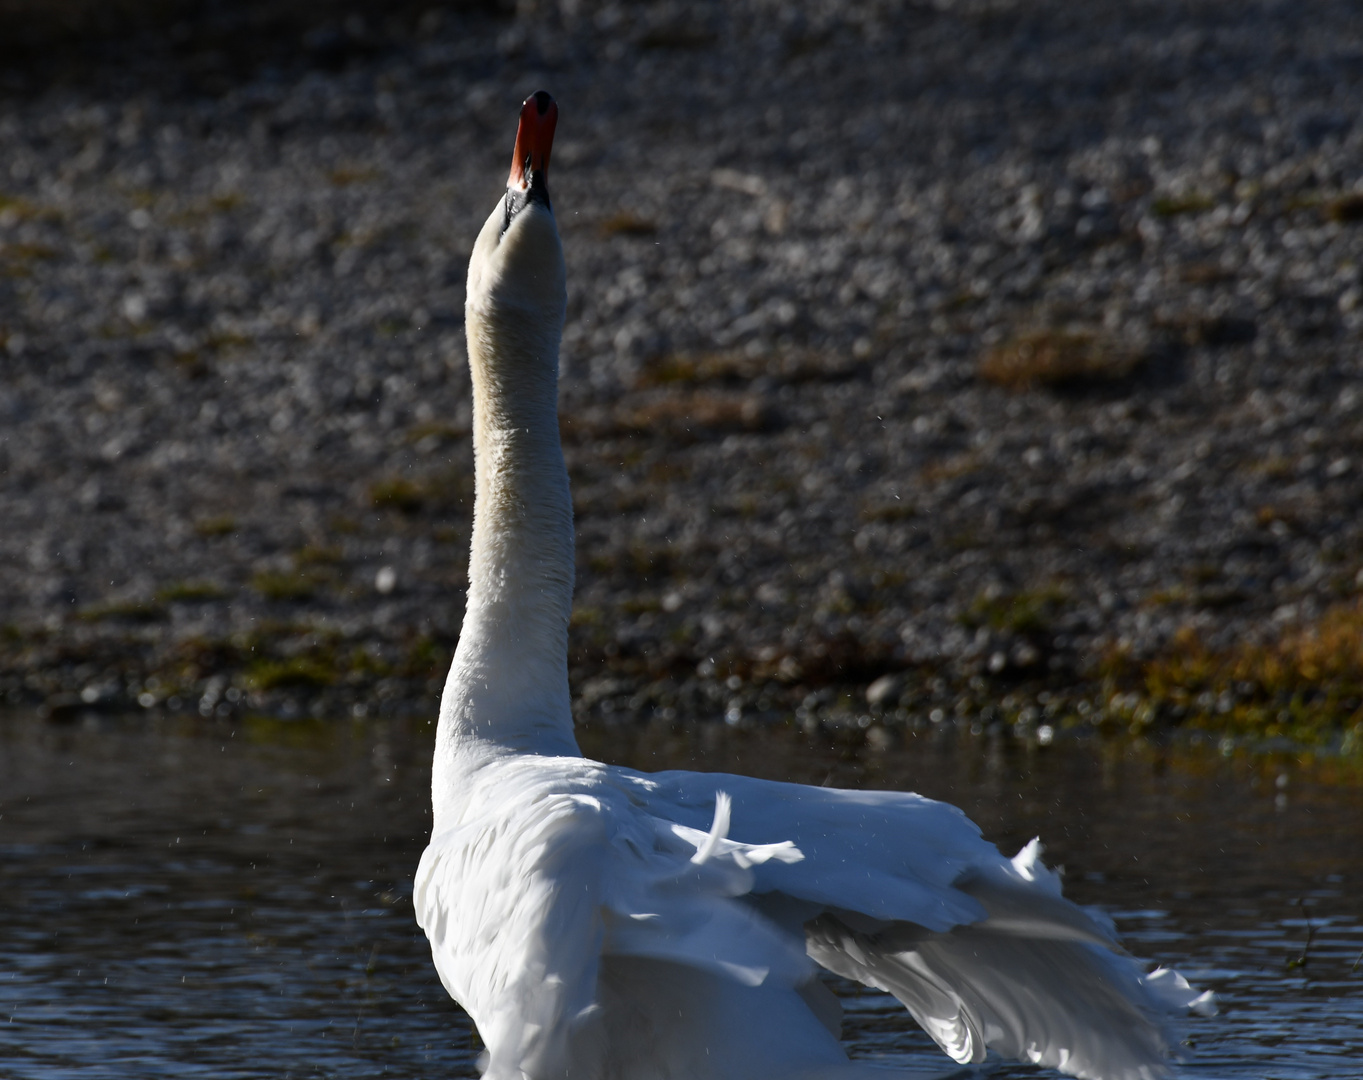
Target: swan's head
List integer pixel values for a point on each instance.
(517, 262)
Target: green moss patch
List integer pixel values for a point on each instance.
(1026, 612)
(294, 586)
(190, 592)
(135, 610)
(1191, 202)
(216, 525)
(296, 671)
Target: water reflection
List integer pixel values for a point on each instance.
(234, 901)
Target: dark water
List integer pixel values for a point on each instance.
(185, 900)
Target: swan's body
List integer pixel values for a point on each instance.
(602, 924)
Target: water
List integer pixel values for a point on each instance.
(234, 901)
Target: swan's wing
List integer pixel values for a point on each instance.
(1035, 980)
(902, 893)
(888, 856)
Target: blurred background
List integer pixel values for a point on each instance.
(984, 360)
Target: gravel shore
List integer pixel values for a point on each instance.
(999, 357)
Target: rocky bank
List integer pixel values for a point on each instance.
(1000, 357)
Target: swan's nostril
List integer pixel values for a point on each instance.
(542, 101)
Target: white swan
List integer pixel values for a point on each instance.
(603, 924)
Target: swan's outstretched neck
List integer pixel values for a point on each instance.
(508, 687)
(509, 682)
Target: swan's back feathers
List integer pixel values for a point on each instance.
(511, 904)
(567, 887)
(570, 880)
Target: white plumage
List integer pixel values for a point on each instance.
(603, 924)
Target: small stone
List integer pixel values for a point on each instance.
(883, 689)
(879, 739)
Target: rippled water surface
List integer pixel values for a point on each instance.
(235, 901)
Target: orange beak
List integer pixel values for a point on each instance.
(534, 140)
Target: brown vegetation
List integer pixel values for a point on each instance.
(1057, 359)
(1306, 684)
